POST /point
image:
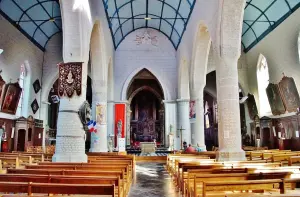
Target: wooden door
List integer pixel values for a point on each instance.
(21, 140)
(266, 137)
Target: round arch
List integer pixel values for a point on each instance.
(128, 81)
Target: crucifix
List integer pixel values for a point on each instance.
(181, 129)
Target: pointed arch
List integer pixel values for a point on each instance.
(299, 46)
(262, 73)
(200, 58)
(128, 81)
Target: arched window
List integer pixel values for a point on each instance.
(263, 82)
(21, 84)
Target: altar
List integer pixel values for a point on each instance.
(148, 148)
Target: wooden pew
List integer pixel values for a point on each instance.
(112, 172)
(282, 157)
(259, 185)
(115, 180)
(293, 159)
(10, 162)
(54, 188)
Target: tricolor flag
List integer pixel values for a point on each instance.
(92, 126)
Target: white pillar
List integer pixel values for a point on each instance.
(110, 117)
(70, 138)
(99, 139)
(183, 119)
(171, 120)
(229, 127)
(199, 134)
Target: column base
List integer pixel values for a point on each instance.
(227, 155)
(70, 158)
(97, 150)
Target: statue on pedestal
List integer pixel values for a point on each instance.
(110, 144)
(119, 126)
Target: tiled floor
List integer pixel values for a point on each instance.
(152, 181)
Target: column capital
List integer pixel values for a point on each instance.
(122, 102)
(183, 100)
(111, 101)
(169, 101)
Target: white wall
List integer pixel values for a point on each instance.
(160, 60)
(19, 50)
(281, 51)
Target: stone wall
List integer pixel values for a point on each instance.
(19, 50)
(130, 57)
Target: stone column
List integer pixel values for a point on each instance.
(70, 138)
(171, 120)
(183, 119)
(199, 135)
(229, 126)
(99, 139)
(110, 118)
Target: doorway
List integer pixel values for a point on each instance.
(21, 140)
(266, 137)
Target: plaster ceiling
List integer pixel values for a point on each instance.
(38, 20)
(262, 16)
(170, 17)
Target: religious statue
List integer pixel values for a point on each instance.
(110, 144)
(70, 78)
(119, 126)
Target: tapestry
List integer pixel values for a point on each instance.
(11, 99)
(192, 109)
(70, 78)
(252, 108)
(101, 113)
(36, 86)
(2, 87)
(275, 100)
(289, 94)
(34, 106)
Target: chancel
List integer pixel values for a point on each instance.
(150, 98)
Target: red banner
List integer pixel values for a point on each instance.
(120, 119)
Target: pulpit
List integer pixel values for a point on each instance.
(148, 148)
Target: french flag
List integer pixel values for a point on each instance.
(92, 126)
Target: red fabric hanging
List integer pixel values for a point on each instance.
(120, 115)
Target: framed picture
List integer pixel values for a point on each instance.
(36, 86)
(289, 94)
(275, 100)
(192, 109)
(34, 106)
(11, 98)
(2, 88)
(252, 108)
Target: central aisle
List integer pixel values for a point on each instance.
(152, 180)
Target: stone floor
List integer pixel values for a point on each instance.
(152, 180)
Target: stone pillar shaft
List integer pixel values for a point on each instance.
(171, 120)
(229, 126)
(183, 119)
(70, 138)
(110, 118)
(199, 134)
(99, 139)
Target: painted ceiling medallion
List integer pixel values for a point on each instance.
(147, 37)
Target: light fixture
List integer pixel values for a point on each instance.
(1, 51)
(52, 19)
(148, 18)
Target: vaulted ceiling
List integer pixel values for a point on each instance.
(262, 16)
(39, 20)
(167, 16)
